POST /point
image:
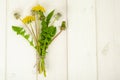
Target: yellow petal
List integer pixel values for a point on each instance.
(38, 8)
(28, 19)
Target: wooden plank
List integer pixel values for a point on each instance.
(81, 40)
(2, 38)
(108, 31)
(21, 57)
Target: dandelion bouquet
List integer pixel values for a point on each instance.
(39, 31)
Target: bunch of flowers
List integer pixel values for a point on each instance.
(40, 32)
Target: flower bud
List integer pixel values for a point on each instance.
(63, 25)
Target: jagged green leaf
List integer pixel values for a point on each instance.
(22, 32)
(46, 37)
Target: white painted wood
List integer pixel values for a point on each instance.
(2, 38)
(81, 40)
(108, 33)
(21, 57)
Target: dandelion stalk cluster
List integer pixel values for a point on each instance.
(39, 30)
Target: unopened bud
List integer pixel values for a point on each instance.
(63, 26)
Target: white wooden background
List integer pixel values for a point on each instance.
(88, 50)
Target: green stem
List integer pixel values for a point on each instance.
(36, 25)
(33, 32)
(42, 66)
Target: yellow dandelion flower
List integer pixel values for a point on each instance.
(38, 8)
(28, 19)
